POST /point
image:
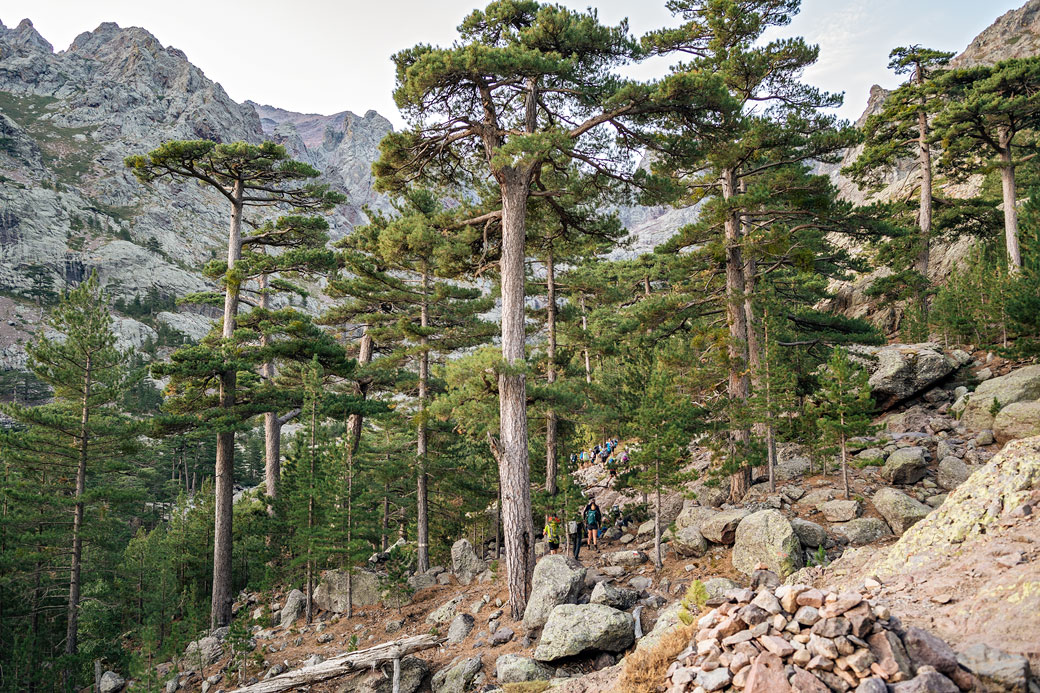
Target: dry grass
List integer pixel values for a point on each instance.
(526, 687)
(644, 670)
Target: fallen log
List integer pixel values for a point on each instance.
(345, 664)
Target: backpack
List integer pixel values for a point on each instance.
(590, 516)
(552, 533)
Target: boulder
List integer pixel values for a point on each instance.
(840, 510)
(872, 457)
(952, 472)
(512, 668)
(688, 541)
(111, 682)
(718, 586)
(202, 652)
(905, 466)
(767, 537)
(460, 627)
(645, 531)
(457, 677)
(666, 621)
(620, 598)
(445, 613)
(464, 562)
(996, 668)
(899, 510)
(626, 558)
(294, 606)
(863, 530)
(331, 592)
(576, 628)
(767, 675)
(1017, 420)
(557, 580)
(791, 468)
(1018, 386)
(926, 682)
(721, 528)
(694, 516)
(905, 370)
(810, 533)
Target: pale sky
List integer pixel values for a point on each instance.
(323, 56)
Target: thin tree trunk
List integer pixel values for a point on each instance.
(224, 490)
(585, 333)
(422, 517)
(770, 432)
(272, 431)
(658, 562)
(1007, 182)
(308, 588)
(737, 389)
(551, 464)
(844, 460)
(354, 428)
(925, 215)
(512, 386)
(384, 542)
(72, 622)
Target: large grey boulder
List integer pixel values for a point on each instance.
(840, 510)
(904, 370)
(512, 668)
(294, 606)
(874, 457)
(788, 468)
(202, 652)
(445, 613)
(1002, 670)
(809, 533)
(1016, 421)
(576, 628)
(905, 466)
(464, 562)
(694, 516)
(331, 592)
(767, 537)
(626, 558)
(557, 580)
(456, 677)
(688, 541)
(111, 682)
(620, 598)
(899, 510)
(721, 527)
(460, 627)
(863, 530)
(952, 472)
(1018, 386)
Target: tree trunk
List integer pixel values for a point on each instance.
(1007, 182)
(658, 562)
(770, 433)
(309, 586)
(514, 471)
(585, 333)
(224, 489)
(844, 460)
(925, 216)
(422, 517)
(551, 464)
(272, 431)
(737, 389)
(72, 622)
(384, 541)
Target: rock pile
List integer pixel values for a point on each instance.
(797, 638)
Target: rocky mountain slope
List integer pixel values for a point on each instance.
(68, 206)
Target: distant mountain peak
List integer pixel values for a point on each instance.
(1015, 34)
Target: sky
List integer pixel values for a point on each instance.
(326, 56)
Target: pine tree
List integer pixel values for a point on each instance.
(901, 131)
(247, 176)
(403, 261)
(844, 406)
(81, 435)
(742, 144)
(988, 122)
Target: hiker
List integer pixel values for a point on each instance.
(574, 528)
(621, 520)
(574, 461)
(552, 533)
(612, 467)
(592, 517)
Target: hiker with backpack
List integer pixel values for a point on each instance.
(551, 533)
(575, 529)
(592, 517)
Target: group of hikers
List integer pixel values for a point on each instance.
(590, 523)
(603, 453)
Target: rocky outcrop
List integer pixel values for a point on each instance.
(331, 592)
(899, 510)
(1016, 421)
(902, 371)
(557, 580)
(576, 628)
(767, 537)
(456, 677)
(464, 562)
(294, 606)
(511, 668)
(1021, 385)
